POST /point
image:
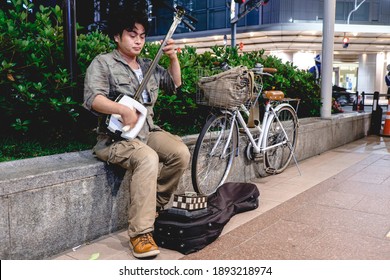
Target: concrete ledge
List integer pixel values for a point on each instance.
(319, 135)
(52, 203)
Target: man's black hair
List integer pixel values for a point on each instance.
(125, 18)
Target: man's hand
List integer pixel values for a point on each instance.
(129, 118)
(170, 49)
(174, 67)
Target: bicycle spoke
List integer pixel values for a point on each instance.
(282, 135)
(213, 154)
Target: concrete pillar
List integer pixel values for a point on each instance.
(233, 14)
(380, 73)
(367, 73)
(327, 57)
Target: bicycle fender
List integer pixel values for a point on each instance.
(284, 105)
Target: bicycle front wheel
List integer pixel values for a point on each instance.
(281, 138)
(214, 153)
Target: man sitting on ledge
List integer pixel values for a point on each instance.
(121, 72)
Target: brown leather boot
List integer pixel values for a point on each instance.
(144, 246)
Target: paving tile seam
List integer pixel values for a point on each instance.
(337, 227)
(351, 210)
(370, 159)
(360, 236)
(375, 195)
(341, 207)
(343, 230)
(365, 212)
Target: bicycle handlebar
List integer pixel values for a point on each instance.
(270, 70)
(260, 70)
(257, 70)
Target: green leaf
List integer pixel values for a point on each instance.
(94, 256)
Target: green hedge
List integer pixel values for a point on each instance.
(38, 99)
(295, 83)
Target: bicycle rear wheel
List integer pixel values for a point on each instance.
(214, 153)
(278, 158)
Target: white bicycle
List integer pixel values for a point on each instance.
(271, 143)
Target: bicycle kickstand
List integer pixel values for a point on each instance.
(296, 164)
(295, 159)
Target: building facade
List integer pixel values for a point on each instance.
(292, 30)
(289, 29)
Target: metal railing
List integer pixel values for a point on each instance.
(360, 101)
(378, 110)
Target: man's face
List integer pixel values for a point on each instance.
(131, 42)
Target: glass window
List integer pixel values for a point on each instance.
(216, 3)
(218, 19)
(344, 8)
(198, 5)
(202, 20)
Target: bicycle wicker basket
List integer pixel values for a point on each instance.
(226, 89)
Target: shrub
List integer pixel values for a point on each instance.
(39, 100)
(37, 93)
(34, 81)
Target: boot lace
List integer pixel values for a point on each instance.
(146, 238)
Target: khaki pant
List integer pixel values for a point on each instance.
(149, 188)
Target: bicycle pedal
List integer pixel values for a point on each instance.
(270, 170)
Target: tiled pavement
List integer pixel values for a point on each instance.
(338, 208)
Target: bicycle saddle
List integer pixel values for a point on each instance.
(274, 94)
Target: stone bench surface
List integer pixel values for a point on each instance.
(27, 174)
(32, 166)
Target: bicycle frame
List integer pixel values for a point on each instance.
(261, 145)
